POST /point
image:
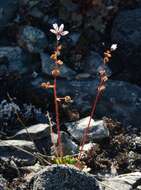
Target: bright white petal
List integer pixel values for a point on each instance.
(58, 37)
(55, 26)
(61, 28)
(53, 31)
(113, 47)
(64, 33)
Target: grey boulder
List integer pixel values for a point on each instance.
(8, 10)
(126, 33)
(12, 60)
(97, 130)
(37, 131)
(127, 29)
(21, 150)
(48, 65)
(94, 62)
(126, 181)
(33, 39)
(63, 178)
(121, 100)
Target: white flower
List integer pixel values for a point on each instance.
(58, 31)
(113, 47)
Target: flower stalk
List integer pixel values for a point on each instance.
(101, 87)
(59, 32)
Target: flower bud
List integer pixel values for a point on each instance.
(68, 99)
(101, 88)
(55, 72)
(54, 56)
(59, 62)
(46, 85)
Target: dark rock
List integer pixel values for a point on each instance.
(15, 149)
(8, 10)
(12, 60)
(69, 5)
(74, 38)
(63, 177)
(94, 62)
(48, 65)
(76, 19)
(125, 181)
(37, 131)
(120, 101)
(97, 131)
(127, 30)
(36, 13)
(9, 169)
(126, 33)
(33, 39)
(48, 3)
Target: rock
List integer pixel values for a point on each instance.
(135, 141)
(97, 131)
(94, 62)
(34, 168)
(74, 38)
(88, 147)
(69, 147)
(114, 103)
(126, 33)
(126, 181)
(63, 177)
(9, 169)
(49, 3)
(138, 143)
(12, 60)
(37, 131)
(76, 19)
(26, 145)
(33, 39)
(15, 148)
(2, 183)
(69, 5)
(48, 65)
(36, 13)
(8, 10)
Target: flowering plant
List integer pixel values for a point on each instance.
(59, 32)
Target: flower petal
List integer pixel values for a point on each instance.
(53, 31)
(64, 33)
(55, 26)
(61, 28)
(113, 47)
(58, 37)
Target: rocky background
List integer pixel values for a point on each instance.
(26, 44)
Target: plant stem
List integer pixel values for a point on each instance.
(84, 139)
(57, 117)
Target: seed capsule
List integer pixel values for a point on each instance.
(55, 72)
(59, 62)
(68, 99)
(54, 56)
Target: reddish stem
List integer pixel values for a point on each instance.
(84, 139)
(57, 117)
